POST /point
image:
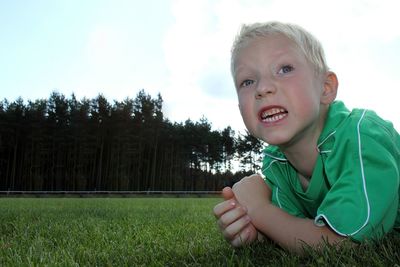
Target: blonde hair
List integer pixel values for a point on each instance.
(308, 44)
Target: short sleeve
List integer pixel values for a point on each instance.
(363, 170)
(275, 175)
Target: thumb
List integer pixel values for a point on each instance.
(227, 193)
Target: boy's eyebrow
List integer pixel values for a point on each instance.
(281, 58)
(237, 70)
(277, 54)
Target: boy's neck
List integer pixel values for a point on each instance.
(303, 154)
(303, 160)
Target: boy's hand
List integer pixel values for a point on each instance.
(252, 192)
(233, 220)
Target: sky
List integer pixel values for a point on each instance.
(181, 49)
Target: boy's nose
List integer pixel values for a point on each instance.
(265, 88)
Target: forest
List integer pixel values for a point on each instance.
(66, 144)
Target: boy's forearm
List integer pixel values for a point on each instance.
(289, 231)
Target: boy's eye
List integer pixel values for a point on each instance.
(286, 69)
(246, 83)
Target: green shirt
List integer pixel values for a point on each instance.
(354, 187)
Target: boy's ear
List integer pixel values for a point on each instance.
(331, 84)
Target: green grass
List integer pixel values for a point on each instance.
(148, 232)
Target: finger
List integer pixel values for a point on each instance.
(231, 216)
(227, 193)
(242, 238)
(224, 206)
(233, 229)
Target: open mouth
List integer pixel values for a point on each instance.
(273, 114)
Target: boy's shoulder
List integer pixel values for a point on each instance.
(350, 129)
(272, 152)
(272, 155)
(355, 122)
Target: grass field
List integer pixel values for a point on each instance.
(148, 232)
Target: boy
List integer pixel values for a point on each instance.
(329, 173)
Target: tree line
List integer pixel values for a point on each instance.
(68, 144)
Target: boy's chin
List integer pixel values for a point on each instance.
(274, 141)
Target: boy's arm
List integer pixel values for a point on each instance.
(287, 230)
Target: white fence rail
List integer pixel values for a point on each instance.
(109, 193)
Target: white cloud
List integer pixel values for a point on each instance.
(198, 65)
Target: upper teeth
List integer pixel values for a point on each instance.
(272, 112)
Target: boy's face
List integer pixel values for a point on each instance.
(279, 91)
